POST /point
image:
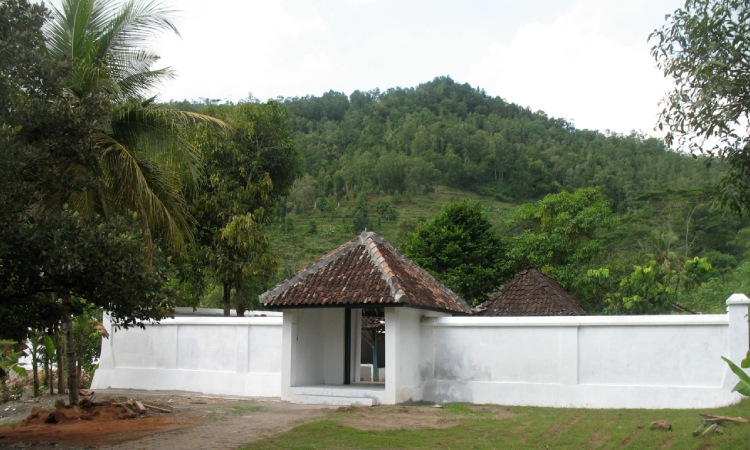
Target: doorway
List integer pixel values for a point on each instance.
(372, 347)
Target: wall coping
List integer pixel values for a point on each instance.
(579, 321)
(203, 320)
(188, 311)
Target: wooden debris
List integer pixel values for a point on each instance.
(127, 412)
(710, 429)
(139, 407)
(661, 425)
(156, 408)
(713, 424)
(719, 419)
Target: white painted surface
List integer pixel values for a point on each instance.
(600, 362)
(211, 355)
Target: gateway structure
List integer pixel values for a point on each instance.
(434, 350)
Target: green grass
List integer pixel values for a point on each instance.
(526, 427)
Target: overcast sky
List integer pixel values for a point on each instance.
(586, 61)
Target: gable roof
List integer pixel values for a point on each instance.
(365, 272)
(531, 293)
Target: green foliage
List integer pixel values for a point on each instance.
(411, 140)
(9, 355)
(461, 250)
(563, 235)
(386, 211)
(246, 175)
(647, 290)
(703, 46)
(361, 215)
(743, 386)
(312, 228)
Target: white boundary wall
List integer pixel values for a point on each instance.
(208, 354)
(596, 362)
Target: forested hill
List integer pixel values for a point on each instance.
(446, 133)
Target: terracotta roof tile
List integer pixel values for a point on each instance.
(531, 293)
(366, 271)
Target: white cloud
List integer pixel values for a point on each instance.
(583, 60)
(583, 66)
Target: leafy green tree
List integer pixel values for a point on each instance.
(703, 46)
(244, 254)
(246, 173)
(562, 234)
(386, 211)
(361, 215)
(651, 288)
(460, 248)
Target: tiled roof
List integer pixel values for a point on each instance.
(366, 271)
(531, 293)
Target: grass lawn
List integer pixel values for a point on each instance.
(490, 426)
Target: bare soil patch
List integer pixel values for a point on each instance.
(410, 417)
(194, 421)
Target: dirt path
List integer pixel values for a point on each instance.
(196, 422)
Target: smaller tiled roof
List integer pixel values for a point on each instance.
(531, 293)
(365, 272)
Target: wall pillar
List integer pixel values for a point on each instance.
(739, 336)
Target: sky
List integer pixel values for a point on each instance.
(585, 61)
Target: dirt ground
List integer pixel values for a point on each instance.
(195, 421)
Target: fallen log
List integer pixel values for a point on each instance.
(717, 419)
(156, 408)
(139, 406)
(710, 429)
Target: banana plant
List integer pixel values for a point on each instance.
(743, 387)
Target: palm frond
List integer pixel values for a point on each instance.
(138, 185)
(111, 35)
(156, 135)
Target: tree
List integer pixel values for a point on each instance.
(461, 250)
(361, 215)
(703, 47)
(562, 234)
(55, 261)
(247, 171)
(141, 163)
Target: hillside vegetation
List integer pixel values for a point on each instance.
(390, 161)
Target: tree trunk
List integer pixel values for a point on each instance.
(226, 299)
(79, 362)
(239, 301)
(60, 361)
(48, 376)
(70, 352)
(35, 362)
(48, 364)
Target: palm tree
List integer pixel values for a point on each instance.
(136, 158)
(140, 162)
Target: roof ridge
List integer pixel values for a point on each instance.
(309, 270)
(370, 241)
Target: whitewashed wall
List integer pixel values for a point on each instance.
(207, 354)
(599, 362)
